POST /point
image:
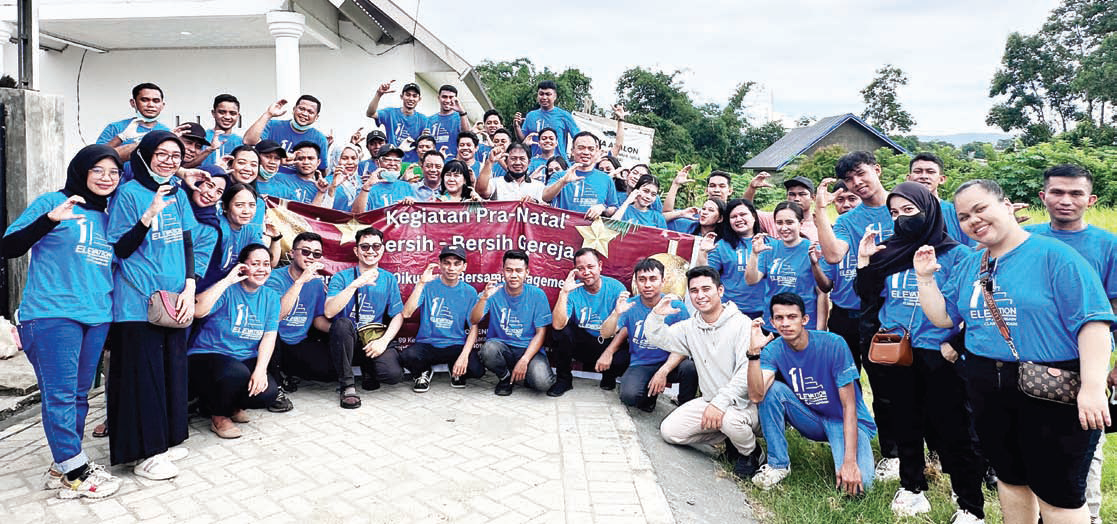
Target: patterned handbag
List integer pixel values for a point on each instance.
(1035, 380)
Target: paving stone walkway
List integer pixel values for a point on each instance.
(448, 455)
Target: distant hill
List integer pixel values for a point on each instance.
(960, 139)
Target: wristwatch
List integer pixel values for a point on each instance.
(753, 357)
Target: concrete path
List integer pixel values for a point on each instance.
(448, 455)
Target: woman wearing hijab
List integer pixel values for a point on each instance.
(67, 308)
(928, 398)
(150, 227)
(203, 201)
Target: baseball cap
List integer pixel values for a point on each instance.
(195, 131)
(376, 134)
(388, 148)
(411, 86)
(457, 251)
(799, 181)
(268, 146)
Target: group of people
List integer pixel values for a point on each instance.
(776, 326)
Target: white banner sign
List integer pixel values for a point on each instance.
(637, 147)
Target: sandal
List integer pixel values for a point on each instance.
(349, 398)
(101, 431)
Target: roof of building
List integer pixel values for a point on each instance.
(799, 140)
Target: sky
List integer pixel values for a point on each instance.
(813, 56)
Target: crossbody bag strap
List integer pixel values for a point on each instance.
(357, 299)
(986, 283)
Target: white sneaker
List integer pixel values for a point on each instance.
(888, 469)
(97, 484)
(964, 517)
(176, 453)
(908, 504)
(769, 476)
(156, 467)
(53, 479)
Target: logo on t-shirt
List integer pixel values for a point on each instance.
(788, 279)
(807, 388)
(165, 226)
(92, 244)
(440, 315)
(246, 325)
(510, 323)
(1004, 303)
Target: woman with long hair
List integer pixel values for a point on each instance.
(730, 256)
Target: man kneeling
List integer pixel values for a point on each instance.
(822, 401)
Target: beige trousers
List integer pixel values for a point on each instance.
(684, 426)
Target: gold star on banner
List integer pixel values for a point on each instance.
(348, 231)
(596, 236)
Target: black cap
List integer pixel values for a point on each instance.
(457, 251)
(411, 86)
(376, 134)
(268, 146)
(799, 181)
(388, 148)
(195, 131)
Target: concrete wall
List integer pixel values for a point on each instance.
(34, 162)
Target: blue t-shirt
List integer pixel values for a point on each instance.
(641, 352)
(901, 304)
(376, 303)
(205, 245)
(445, 129)
(399, 127)
(558, 119)
(310, 304)
(385, 193)
(657, 204)
(591, 188)
(229, 142)
(444, 313)
(1045, 291)
(237, 322)
(816, 372)
(114, 128)
(589, 311)
(159, 263)
(650, 217)
(282, 132)
(843, 274)
(953, 226)
(514, 319)
(850, 227)
(731, 264)
(289, 186)
(70, 272)
(1096, 245)
(684, 225)
(788, 269)
(233, 241)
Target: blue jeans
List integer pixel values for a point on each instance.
(781, 404)
(500, 358)
(65, 354)
(634, 383)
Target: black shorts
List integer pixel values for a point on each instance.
(1029, 442)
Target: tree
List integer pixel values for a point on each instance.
(882, 108)
(511, 86)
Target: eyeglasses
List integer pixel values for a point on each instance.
(162, 156)
(370, 247)
(100, 172)
(309, 254)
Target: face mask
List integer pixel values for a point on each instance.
(159, 179)
(298, 127)
(265, 176)
(910, 226)
(144, 119)
(389, 176)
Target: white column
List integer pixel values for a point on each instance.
(286, 27)
(6, 32)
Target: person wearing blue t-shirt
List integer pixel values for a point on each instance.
(637, 206)
(67, 308)
(301, 350)
(787, 265)
(450, 120)
(383, 187)
(226, 115)
(205, 199)
(287, 133)
(519, 315)
(819, 397)
(230, 353)
(362, 301)
(730, 255)
(928, 170)
(719, 187)
(538, 168)
(585, 300)
(467, 152)
(151, 228)
(346, 179)
(837, 281)
(401, 124)
(307, 184)
(446, 333)
(236, 230)
(927, 398)
(1050, 309)
(549, 115)
(123, 135)
(650, 367)
(247, 167)
(583, 189)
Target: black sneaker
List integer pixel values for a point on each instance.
(730, 454)
(608, 382)
(647, 405)
(504, 387)
(747, 465)
(457, 382)
(560, 388)
(422, 382)
(369, 382)
(990, 479)
(282, 404)
(290, 384)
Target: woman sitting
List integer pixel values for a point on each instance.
(229, 357)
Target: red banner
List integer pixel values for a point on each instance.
(414, 234)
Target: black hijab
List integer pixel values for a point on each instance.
(899, 251)
(77, 175)
(142, 157)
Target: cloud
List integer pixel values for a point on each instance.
(814, 55)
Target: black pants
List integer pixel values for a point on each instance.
(147, 390)
(634, 383)
(843, 322)
(221, 383)
(310, 358)
(573, 342)
(419, 358)
(928, 403)
(346, 352)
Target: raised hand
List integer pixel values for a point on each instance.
(496, 155)
(664, 306)
(571, 283)
(131, 131)
(762, 179)
(869, 246)
(158, 201)
(322, 183)
(65, 210)
(707, 242)
(622, 303)
(1020, 219)
(237, 274)
(823, 197)
(760, 243)
(194, 177)
(276, 109)
(757, 338)
(518, 119)
(356, 137)
(386, 88)
(925, 262)
(683, 176)
(491, 288)
(619, 112)
(529, 140)
(270, 230)
(457, 105)
(815, 252)
(429, 273)
(179, 130)
(445, 150)
(368, 278)
(311, 272)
